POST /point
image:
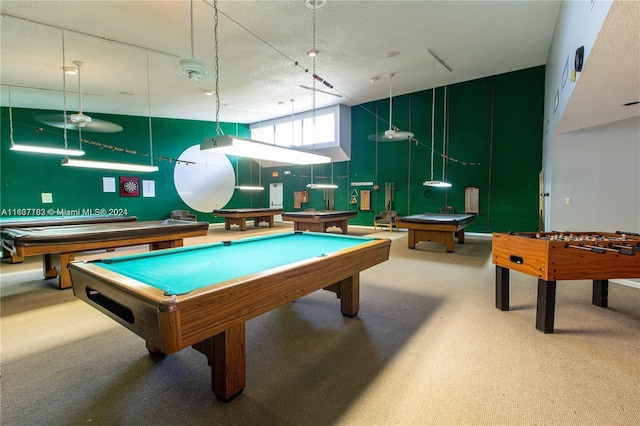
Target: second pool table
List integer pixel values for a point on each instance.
(239, 216)
(439, 228)
(19, 222)
(58, 244)
(320, 221)
(201, 296)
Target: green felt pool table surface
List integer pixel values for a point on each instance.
(181, 271)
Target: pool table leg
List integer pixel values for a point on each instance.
(348, 291)
(258, 220)
(227, 358)
(345, 226)
(55, 265)
(460, 236)
(448, 242)
(160, 245)
(13, 257)
(412, 238)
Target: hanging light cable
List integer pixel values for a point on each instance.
(108, 165)
(45, 149)
(315, 77)
(149, 110)
(444, 130)
(216, 66)
(239, 147)
(437, 183)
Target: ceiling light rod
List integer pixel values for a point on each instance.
(320, 91)
(106, 165)
(239, 147)
(439, 59)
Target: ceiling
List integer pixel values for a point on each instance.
(131, 50)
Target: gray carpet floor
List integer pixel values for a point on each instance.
(427, 348)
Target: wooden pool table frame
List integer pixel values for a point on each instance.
(239, 216)
(39, 222)
(439, 231)
(319, 221)
(212, 319)
(58, 244)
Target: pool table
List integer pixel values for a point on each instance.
(320, 220)
(201, 296)
(58, 244)
(239, 216)
(436, 227)
(15, 222)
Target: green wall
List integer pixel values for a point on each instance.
(494, 140)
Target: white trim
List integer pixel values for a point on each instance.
(628, 283)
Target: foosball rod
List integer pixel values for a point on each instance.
(600, 249)
(592, 248)
(626, 249)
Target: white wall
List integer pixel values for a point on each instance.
(598, 169)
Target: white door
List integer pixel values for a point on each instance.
(276, 196)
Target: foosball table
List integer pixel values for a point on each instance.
(552, 256)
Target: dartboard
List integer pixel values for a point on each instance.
(130, 186)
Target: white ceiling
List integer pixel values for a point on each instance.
(259, 43)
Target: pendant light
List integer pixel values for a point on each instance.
(46, 149)
(393, 133)
(313, 185)
(240, 147)
(108, 165)
(438, 183)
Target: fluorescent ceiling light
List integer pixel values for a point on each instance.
(321, 186)
(46, 150)
(88, 164)
(231, 145)
(249, 188)
(437, 183)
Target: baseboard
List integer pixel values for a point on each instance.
(629, 283)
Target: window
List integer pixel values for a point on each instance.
(300, 131)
